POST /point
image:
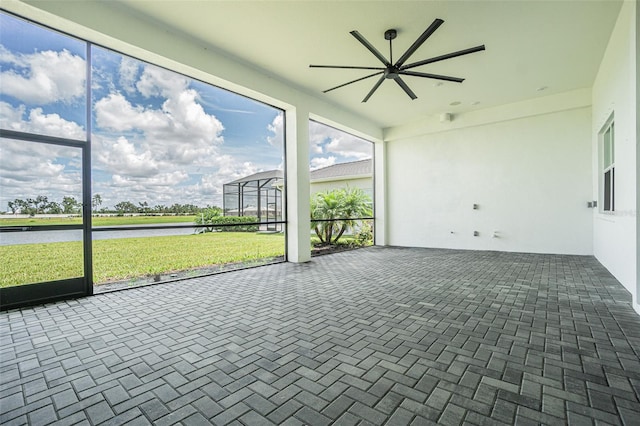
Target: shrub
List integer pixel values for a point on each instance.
(206, 217)
(364, 236)
(337, 209)
(210, 222)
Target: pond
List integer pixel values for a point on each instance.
(41, 237)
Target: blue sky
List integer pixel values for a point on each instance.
(157, 136)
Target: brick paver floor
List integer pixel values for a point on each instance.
(376, 336)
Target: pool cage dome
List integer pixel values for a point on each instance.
(257, 195)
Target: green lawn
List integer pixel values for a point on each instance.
(125, 258)
(97, 221)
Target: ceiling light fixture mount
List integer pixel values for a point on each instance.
(390, 34)
(394, 70)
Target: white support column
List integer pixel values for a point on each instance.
(380, 191)
(297, 153)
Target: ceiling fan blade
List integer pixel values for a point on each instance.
(443, 57)
(375, 87)
(404, 86)
(416, 44)
(369, 46)
(434, 76)
(352, 81)
(349, 67)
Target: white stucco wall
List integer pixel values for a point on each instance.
(614, 92)
(530, 177)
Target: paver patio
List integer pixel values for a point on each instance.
(374, 336)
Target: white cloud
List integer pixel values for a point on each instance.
(122, 158)
(320, 162)
(161, 180)
(53, 124)
(36, 169)
(230, 169)
(158, 189)
(10, 117)
(140, 175)
(43, 77)
(318, 134)
(43, 124)
(114, 112)
(169, 188)
(165, 151)
(189, 121)
(128, 72)
(180, 132)
(209, 190)
(277, 128)
(22, 169)
(152, 152)
(350, 146)
(325, 139)
(156, 81)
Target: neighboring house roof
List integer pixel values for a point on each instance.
(352, 169)
(269, 174)
(342, 170)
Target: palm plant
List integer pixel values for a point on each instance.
(335, 211)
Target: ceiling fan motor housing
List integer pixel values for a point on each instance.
(391, 72)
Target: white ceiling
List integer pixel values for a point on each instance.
(529, 45)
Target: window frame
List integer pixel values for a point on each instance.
(607, 165)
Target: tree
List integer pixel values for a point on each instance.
(96, 201)
(25, 207)
(30, 207)
(159, 208)
(70, 205)
(336, 211)
(125, 207)
(144, 207)
(40, 203)
(53, 208)
(19, 206)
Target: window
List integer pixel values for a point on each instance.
(341, 189)
(608, 167)
(152, 177)
(43, 182)
(164, 148)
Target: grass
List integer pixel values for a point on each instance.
(121, 259)
(96, 221)
(30, 263)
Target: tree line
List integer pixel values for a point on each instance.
(70, 205)
(42, 205)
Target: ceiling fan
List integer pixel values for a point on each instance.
(393, 71)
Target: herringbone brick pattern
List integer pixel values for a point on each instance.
(376, 336)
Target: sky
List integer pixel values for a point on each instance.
(156, 136)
